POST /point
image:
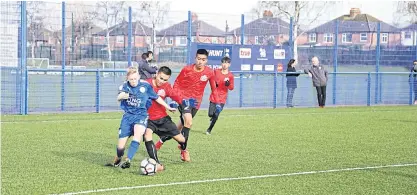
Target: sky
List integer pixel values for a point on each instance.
(216, 12)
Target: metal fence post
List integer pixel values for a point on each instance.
(98, 91)
(189, 37)
(335, 47)
(63, 38)
(290, 39)
(23, 61)
(241, 90)
(378, 54)
(368, 99)
(275, 89)
(411, 83)
(129, 39)
(242, 29)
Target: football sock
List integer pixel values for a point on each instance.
(150, 147)
(212, 123)
(185, 132)
(134, 145)
(120, 152)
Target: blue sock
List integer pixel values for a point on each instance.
(134, 146)
(120, 152)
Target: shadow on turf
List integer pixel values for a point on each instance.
(395, 173)
(90, 157)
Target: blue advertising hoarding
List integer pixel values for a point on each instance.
(245, 57)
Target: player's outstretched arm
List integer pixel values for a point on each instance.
(163, 103)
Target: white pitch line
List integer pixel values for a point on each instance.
(225, 115)
(237, 178)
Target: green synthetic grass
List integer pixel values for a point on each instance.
(58, 153)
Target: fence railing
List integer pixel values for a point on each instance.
(57, 90)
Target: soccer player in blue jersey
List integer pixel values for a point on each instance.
(133, 96)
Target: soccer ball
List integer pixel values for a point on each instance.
(148, 166)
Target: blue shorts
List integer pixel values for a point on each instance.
(129, 121)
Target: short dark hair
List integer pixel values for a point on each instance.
(414, 61)
(202, 52)
(226, 60)
(145, 55)
(165, 69)
(150, 52)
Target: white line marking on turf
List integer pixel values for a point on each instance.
(225, 115)
(237, 178)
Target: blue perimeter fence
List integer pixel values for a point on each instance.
(96, 90)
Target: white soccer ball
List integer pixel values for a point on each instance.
(148, 166)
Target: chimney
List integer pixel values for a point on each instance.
(354, 12)
(194, 17)
(268, 14)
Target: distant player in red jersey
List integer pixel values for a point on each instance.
(159, 122)
(225, 81)
(191, 83)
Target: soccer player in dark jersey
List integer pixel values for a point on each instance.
(133, 95)
(159, 122)
(191, 83)
(225, 81)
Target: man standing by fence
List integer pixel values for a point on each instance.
(319, 77)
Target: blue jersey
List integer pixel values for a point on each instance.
(138, 96)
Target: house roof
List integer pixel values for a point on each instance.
(410, 27)
(264, 26)
(358, 23)
(83, 28)
(181, 29)
(138, 29)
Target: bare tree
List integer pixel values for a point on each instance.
(82, 24)
(109, 12)
(35, 21)
(306, 11)
(405, 11)
(155, 12)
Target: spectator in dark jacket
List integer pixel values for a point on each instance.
(413, 80)
(291, 82)
(319, 77)
(145, 70)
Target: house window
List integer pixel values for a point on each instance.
(259, 40)
(120, 39)
(194, 39)
(407, 34)
(229, 40)
(328, 38)
(169, 41)
(214, 40)
(384, 38)
(96, 39)
(364, 37)
(148, 40)
(312, 37)
(181, 41)
(346, 38)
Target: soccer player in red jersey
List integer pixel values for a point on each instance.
(191, 83)
(225, 81)
(159, 122)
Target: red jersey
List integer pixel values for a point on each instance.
(191, 84)
(157, 111)
(221, 88)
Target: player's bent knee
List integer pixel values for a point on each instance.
(179, 138)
